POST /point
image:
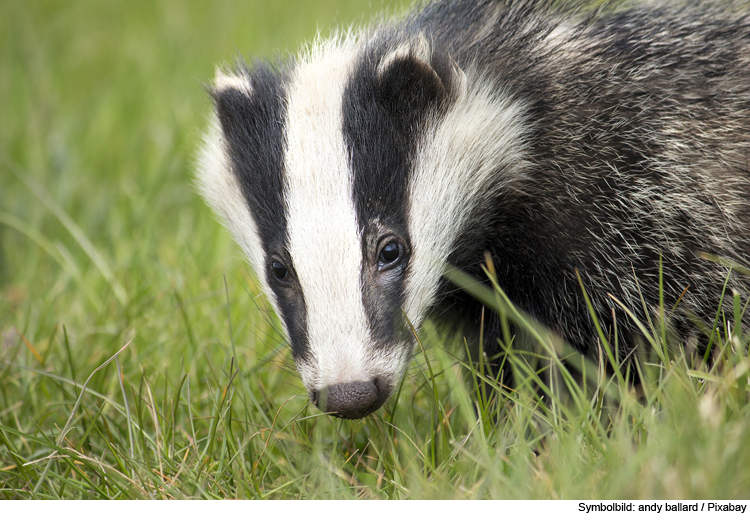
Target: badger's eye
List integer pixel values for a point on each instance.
(390, 254)
(280, 271)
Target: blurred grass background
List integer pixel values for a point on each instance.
(104, 245)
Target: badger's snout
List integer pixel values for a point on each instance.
(351, 400)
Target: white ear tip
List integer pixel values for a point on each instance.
(418, 48)
(225, 81)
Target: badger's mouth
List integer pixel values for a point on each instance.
(352, 400)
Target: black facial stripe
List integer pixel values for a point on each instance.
(383, 117)
(252, 125)
(379, 151)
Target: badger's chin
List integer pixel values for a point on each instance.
(352, 400)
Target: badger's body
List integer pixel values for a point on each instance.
(551, 139)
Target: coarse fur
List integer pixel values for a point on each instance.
(559, 140)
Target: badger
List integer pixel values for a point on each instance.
(599, 150)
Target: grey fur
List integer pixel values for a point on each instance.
(639, 121)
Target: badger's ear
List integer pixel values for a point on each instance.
(232, 97)
(415, 77)
(250, 110)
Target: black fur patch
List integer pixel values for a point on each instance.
(384, 112)
(253, 128)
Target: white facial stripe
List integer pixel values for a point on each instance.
(456, 165)
(324, 241)
(220, 189)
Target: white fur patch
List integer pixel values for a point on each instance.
(458, 163)
(324, 239)
(224, 81)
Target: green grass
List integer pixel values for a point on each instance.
(105, 247)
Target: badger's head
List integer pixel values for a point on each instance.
(346, 178)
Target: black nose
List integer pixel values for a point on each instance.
(351, 400)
